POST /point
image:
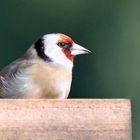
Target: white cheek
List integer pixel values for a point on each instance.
(57, 56)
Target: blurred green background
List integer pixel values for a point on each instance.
(109, 28)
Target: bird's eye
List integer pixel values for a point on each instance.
(61, 44)
(65, 45)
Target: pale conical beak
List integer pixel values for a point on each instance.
(77, 50)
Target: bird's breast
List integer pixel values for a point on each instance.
(51, 81)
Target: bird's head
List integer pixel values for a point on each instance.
(58, 48)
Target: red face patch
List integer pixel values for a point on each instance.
(66, 39)
(67, 54)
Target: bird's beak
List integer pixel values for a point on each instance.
(77, 50)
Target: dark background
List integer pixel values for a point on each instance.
(109, 28)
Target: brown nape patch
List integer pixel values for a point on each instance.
(67, 54)
(65, 38)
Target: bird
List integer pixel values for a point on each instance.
(43, 71)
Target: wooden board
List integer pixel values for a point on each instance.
(70, 119)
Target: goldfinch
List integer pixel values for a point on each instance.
(44, 71)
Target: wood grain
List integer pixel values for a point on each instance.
(70, 119)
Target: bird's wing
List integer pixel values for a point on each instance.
(10, 72)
